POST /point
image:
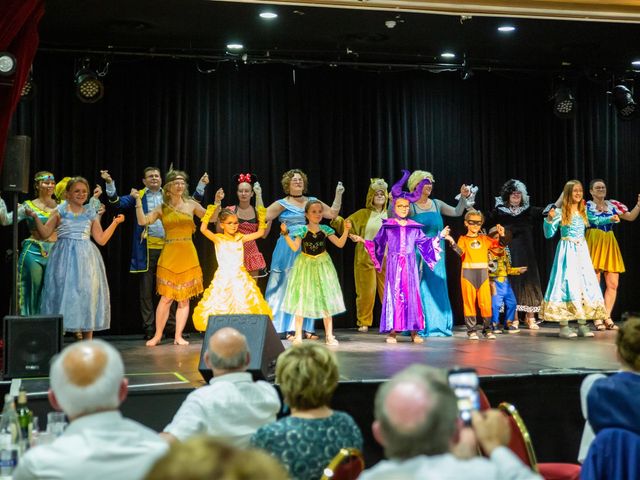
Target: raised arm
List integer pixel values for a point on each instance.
(204, 225)
(339, 242)
(46, 230)
(102, 236)
(274, 210)
(257, 189)
(332, 212)
(262, 226)
(293, 244)
(198, 195)
(632, 214)
(217, 203)
(551, 223)
(149, 218)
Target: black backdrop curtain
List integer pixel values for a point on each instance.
(336, 124)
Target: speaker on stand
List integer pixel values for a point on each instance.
(15, 178)
(262, 340)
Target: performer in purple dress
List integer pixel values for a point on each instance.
(400, 237)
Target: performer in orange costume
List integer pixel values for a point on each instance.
(473, 248)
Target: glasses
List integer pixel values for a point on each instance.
(474, 222)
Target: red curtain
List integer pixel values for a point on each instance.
(19, 21)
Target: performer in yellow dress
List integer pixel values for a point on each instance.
(178, 277)
(232, 289)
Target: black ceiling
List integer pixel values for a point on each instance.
(200, 27)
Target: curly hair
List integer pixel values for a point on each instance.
(288, 175)
(628, 343)
(307, 375)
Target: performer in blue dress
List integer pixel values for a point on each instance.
(75, 283)
(573, 292)
(290, 211)
(434, 293)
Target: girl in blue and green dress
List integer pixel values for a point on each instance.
(573, 292)
(313, 290)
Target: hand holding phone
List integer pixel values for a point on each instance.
(465, 384)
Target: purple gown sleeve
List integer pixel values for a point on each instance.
(429, 248)
(376, 248)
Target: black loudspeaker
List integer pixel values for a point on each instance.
(262, 339)
(15, 169)
(29, 344)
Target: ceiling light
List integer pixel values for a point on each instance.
(7, 64)
(564, 102)
(448, 55)
(506, 28)
(268, 15)
(235, 46)
(636, 63)
(623, 101)
(89, 89)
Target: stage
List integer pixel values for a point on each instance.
(535, 370)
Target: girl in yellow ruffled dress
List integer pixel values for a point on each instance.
(232, 290)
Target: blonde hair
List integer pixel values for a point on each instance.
(474, 213)
(205, 457)
(416, 177)
(307, 375)
(288, 175)
(567, 203)
(628, 343)
(172, 176)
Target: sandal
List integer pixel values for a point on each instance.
(290, 336)
(311, 336)
(599, 325)
(609, 325)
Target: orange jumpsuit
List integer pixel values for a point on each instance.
(474, 279)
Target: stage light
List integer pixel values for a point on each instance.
(506, 29)
(235, 46)
(564, 102)
(89, 89)
(268, 15)
(448, 55)
(7, 64)
(623, 101)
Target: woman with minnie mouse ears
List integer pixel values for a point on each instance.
(247, 186)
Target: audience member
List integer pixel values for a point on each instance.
(205, 458)
(306, 441)
(88, 385)
(416, 422)
(232, 407)
(611, 402)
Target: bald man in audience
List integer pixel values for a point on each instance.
(88, 385)
(416, 421)
(232, 407)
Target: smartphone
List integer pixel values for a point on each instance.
(465, 384)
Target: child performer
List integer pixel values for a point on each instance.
(247, 217)
(573, 292)
(499, 270)
(75, 281)
(400, 237)
(313, 290)
(473, 248)
(232, 289)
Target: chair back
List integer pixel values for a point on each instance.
(348, 464)
(520, 442)
(484, 400)
(614, 453)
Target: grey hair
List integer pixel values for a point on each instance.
(102, 394)
(231, 363)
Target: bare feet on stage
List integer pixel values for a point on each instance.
(180, 341)
(153, 342)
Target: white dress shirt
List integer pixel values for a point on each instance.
(99, 446)
(502, 465)
(231, 408)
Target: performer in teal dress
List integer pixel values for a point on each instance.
(573, 292)
(434, 293)
(290, 211)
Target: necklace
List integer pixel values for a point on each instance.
(296, 196)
